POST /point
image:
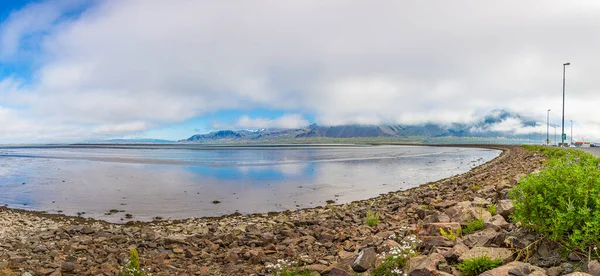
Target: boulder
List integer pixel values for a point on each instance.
(455, 252)
(492, 252)
(578, 274)
(336, 271)
(428, 266)
(594, 268)
(513, 269)
(365, 260)
(480, 202)
(505, 208)
(435, 241)
(481, 238)
(496, 222)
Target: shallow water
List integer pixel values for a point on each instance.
(183, 182)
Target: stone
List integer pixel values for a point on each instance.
(505, 208)
(428, 266)
(455, 253)
(252, 229)
(340, 272)
(578, 274)
(480, 202)
(204, 271)
(365, 260)
(513, 269)
(594, 268)
(554, 271)
(433, 228)
(435, 241)
(175, 239)
(67, 267)
(481, 238)
(315, 267)
(567, 267)
(496, 222)
(493, 252)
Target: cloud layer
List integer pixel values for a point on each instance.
(120, 67)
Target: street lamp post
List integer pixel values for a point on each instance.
(562, 137)
(571, 132)
(548, 128)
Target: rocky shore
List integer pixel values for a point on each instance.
(329, 240)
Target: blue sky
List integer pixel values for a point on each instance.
(75, 70)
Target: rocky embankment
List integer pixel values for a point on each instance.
(330, 240)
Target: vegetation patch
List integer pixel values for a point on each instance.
(473, 226)
(563, 200)
(492, 209)
(451, 235)
(476, 266)
(396, 260)
(132, 268)
(372, 218)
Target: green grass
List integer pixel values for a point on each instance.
(476, 266)
(372, 218)
(492, 209)
(473, 226)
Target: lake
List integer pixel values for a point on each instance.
(186, 181)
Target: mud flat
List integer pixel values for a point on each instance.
(325, 240)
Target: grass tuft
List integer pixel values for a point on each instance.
(372, 218)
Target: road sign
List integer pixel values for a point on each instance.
(564, 137)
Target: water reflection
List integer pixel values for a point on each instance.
(181, 183)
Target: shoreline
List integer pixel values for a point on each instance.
(322, 238)
(63, 217)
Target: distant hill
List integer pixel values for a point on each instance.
(132, 141)
(483, 128)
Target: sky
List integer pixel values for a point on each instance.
(73, 70)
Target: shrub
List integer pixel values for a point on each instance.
(492, 209)
(451, 235)
(132, 268)
(372, 218)
(473, 225)
(476, 266)
(563, 200)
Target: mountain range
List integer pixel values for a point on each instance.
(484, 128)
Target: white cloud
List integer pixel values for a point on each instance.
(285, 121)
(130, 65)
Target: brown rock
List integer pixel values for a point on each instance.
(594, 268)
(340, 272)
(431, 241)
(315, 267)
(481, 238)
(505, 208)
(578, 274)
(428, 266)
(204, 271)
(67, 267)
(456, 251)
(492, 252)
(365, 260)
(496, 222)
(513, 269)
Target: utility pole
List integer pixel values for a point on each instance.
(548, 128)
(562, 134)
(571, 132)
